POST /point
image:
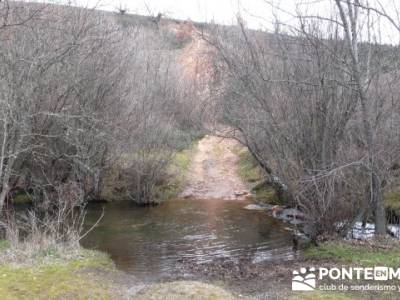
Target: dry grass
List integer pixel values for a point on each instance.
(182, 290)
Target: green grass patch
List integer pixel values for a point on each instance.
(322, 295)
(392, 201)
(248, 169)
(358, 254)
(183, 290)
(21, 198)
(4, 244)
(181, 160)
(57, 280)
(177, 172)
(265, 193)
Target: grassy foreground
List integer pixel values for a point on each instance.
(385, 252)
(183, 290)
(368, 253)
(52, 277)
(322, 295)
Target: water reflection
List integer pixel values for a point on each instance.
(150, 242)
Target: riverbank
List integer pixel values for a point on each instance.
(274, 280)
(177, 172)
(251, 174)
(365, 253)
(74, 274)
(88, 274)
(164, 234)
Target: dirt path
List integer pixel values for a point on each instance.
(213, 171)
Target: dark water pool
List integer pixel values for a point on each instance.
(152, 242)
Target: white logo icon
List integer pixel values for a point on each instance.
(304, 280)
(381, 273)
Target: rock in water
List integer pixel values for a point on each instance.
(240, 193)
(256, 207)
(292, 214)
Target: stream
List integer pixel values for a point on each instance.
(155, 242)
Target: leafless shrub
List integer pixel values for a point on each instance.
(316, 108)
(52, 228)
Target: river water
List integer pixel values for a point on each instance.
(153, 242)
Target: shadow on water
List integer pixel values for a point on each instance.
(153, 242)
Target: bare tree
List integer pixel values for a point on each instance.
(312, 105)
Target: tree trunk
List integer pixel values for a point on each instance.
(380, 212)
(3, 196)
(350, 26)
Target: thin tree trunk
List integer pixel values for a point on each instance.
(350, 22)
(380, 211)
(3, 196)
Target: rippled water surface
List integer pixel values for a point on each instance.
(152, 242)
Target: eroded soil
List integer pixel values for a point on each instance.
(213, 171)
